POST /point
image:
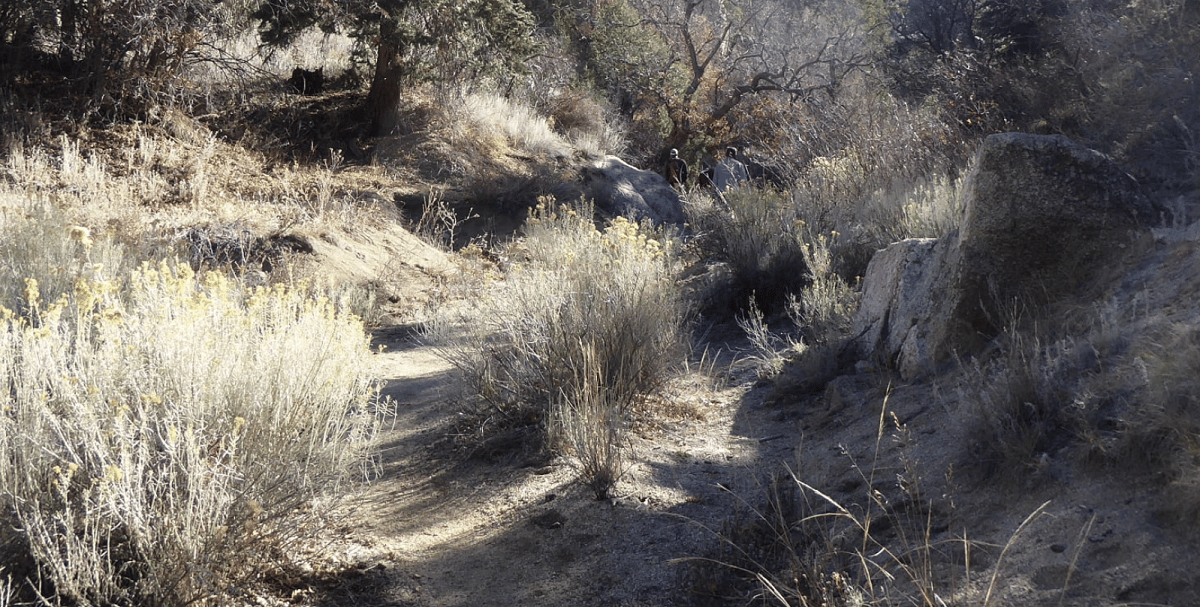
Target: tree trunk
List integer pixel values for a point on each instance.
(384, 95)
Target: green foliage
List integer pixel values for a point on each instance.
(436, 40)
(119, 58)
(619, 52)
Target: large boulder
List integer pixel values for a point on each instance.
(893, 319)
(1042, 214)
(619, 188)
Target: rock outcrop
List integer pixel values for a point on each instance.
(621, 189)
(1041, 215)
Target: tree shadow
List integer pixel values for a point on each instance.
(470, 532)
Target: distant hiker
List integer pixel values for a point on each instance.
(677, 170)
(705, 178)
(730, 172)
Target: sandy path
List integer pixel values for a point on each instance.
(439, 531)
(444, 532)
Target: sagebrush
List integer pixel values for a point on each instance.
(588, 314)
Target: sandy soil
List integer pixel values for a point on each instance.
(436, 529)
(513, 531)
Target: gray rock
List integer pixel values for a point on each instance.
(1040, 209)
(621, 189)
(1042, 215)
(894, 316)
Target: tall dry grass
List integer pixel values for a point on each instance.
(575, 334)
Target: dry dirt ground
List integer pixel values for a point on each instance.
(436, 529)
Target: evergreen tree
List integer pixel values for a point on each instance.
(413, 40)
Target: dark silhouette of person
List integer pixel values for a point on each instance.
(730, 172)
(677, 170)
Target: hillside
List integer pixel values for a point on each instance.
(389, 303)
(737, 468)
(765, 477)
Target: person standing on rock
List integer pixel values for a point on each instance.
(677, 171)
(730, 172)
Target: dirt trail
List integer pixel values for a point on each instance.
(437, 531)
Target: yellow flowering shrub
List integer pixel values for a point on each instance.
(174, 423)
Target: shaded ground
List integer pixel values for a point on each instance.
(438, 530)
(501, 533)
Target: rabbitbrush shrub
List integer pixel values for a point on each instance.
(158, 438)
(589, 322)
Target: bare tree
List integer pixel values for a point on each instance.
(724, 52)
(940, 26)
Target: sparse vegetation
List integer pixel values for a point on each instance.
(182, 391)
(589, 323)
(798, 545)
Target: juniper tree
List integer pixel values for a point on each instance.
(412, 40)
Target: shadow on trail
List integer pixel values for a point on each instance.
(397, 338)
(476, 533)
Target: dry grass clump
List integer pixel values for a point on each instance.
(1164, 429)
(174, 187)
(823, 310)
(590, 321)
(589, 423)
(870, 218)
(1028, 405)
(501, 154)
(160, 435)
(523, 126)
(771, 263)
(771, 239)
(1094, 385)
(928, 207)
(876, 545)
(757, 234)
(587, 123)
(151, 168)
(869, 166)
(457, 135)
(242, 55)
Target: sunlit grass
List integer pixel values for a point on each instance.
(161, 428)
(590, 322)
